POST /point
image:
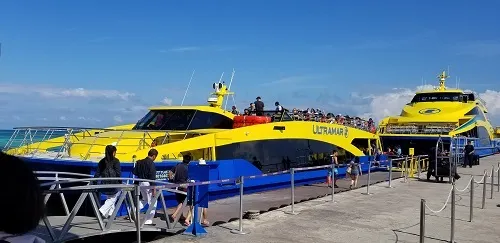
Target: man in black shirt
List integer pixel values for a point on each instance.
(259, 107)
(468, 154)
(146, 169)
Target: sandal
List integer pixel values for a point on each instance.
(187, 224)
(205, 223)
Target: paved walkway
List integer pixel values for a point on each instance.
(387, 215)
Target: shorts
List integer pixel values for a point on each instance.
(180, 197)
(334, 171)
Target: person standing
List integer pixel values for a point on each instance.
(334, 161)
(259, 107)
(109, 167)
(146, 169)
(468, 154)
(354, 171)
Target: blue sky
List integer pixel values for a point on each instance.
(100, 63)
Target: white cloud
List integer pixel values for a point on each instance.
(492, 99)
(118, 119)
(167, 101)
(62, 118)
(53, 92)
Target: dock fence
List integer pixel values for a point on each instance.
(452, 196)
(88, 190)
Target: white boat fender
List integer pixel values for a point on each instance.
(201, 161)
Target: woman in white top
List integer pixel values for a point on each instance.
(22, 207)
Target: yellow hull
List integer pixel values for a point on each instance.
(135, 144)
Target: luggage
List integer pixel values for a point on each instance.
(475, 160)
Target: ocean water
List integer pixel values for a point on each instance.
(4, 137)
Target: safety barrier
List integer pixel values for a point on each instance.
(410, 166)
(452, 196)
(61, 182)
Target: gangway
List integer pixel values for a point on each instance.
(70, 226)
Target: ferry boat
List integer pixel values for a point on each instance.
(453, 115)
(232, 145)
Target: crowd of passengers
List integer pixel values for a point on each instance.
(310, 114)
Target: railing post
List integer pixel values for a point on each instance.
(292, 191)
(390, 173)
(471, 203)
(422, 220)
(484, 190)
(498, 178)
(240, 227)
(453, 201)
(492, 181)
(369, 178)
(333, 182)
(195, 228)
(137, 213)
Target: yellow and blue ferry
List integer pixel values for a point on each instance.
(453, 115)
(232, 145)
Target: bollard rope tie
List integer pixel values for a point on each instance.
(444, 206)
(482, 180)
(463, 190)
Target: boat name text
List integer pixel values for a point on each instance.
(325, 130)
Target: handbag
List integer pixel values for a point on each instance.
(348, 171)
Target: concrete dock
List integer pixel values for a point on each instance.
(386, 215)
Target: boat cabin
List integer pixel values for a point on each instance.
(184, 119)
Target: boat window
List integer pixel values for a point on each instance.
(272, 156)
(205, 120)
(435, 97)
(476, 112)
(484, 137)
(471, 97)
(182, 120)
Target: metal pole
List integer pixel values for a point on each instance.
(419, 169)
(484, 191)
(471, 203)
(333, 182)
(498, 178)
(369, 177)
(240, 228)
(422, 220)
(452, 230)
(137, 214)
(492, 181)
(292, 182)
(390, 173)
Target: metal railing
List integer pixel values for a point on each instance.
(27, 141)
(452, 196)
(61, 183)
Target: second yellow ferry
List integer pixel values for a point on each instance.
(452, 114)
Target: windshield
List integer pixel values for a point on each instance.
(182, 120)
(435, 97)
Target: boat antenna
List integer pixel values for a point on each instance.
(189, 84)
(442, 78)
(229, 88)
(222, 75)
